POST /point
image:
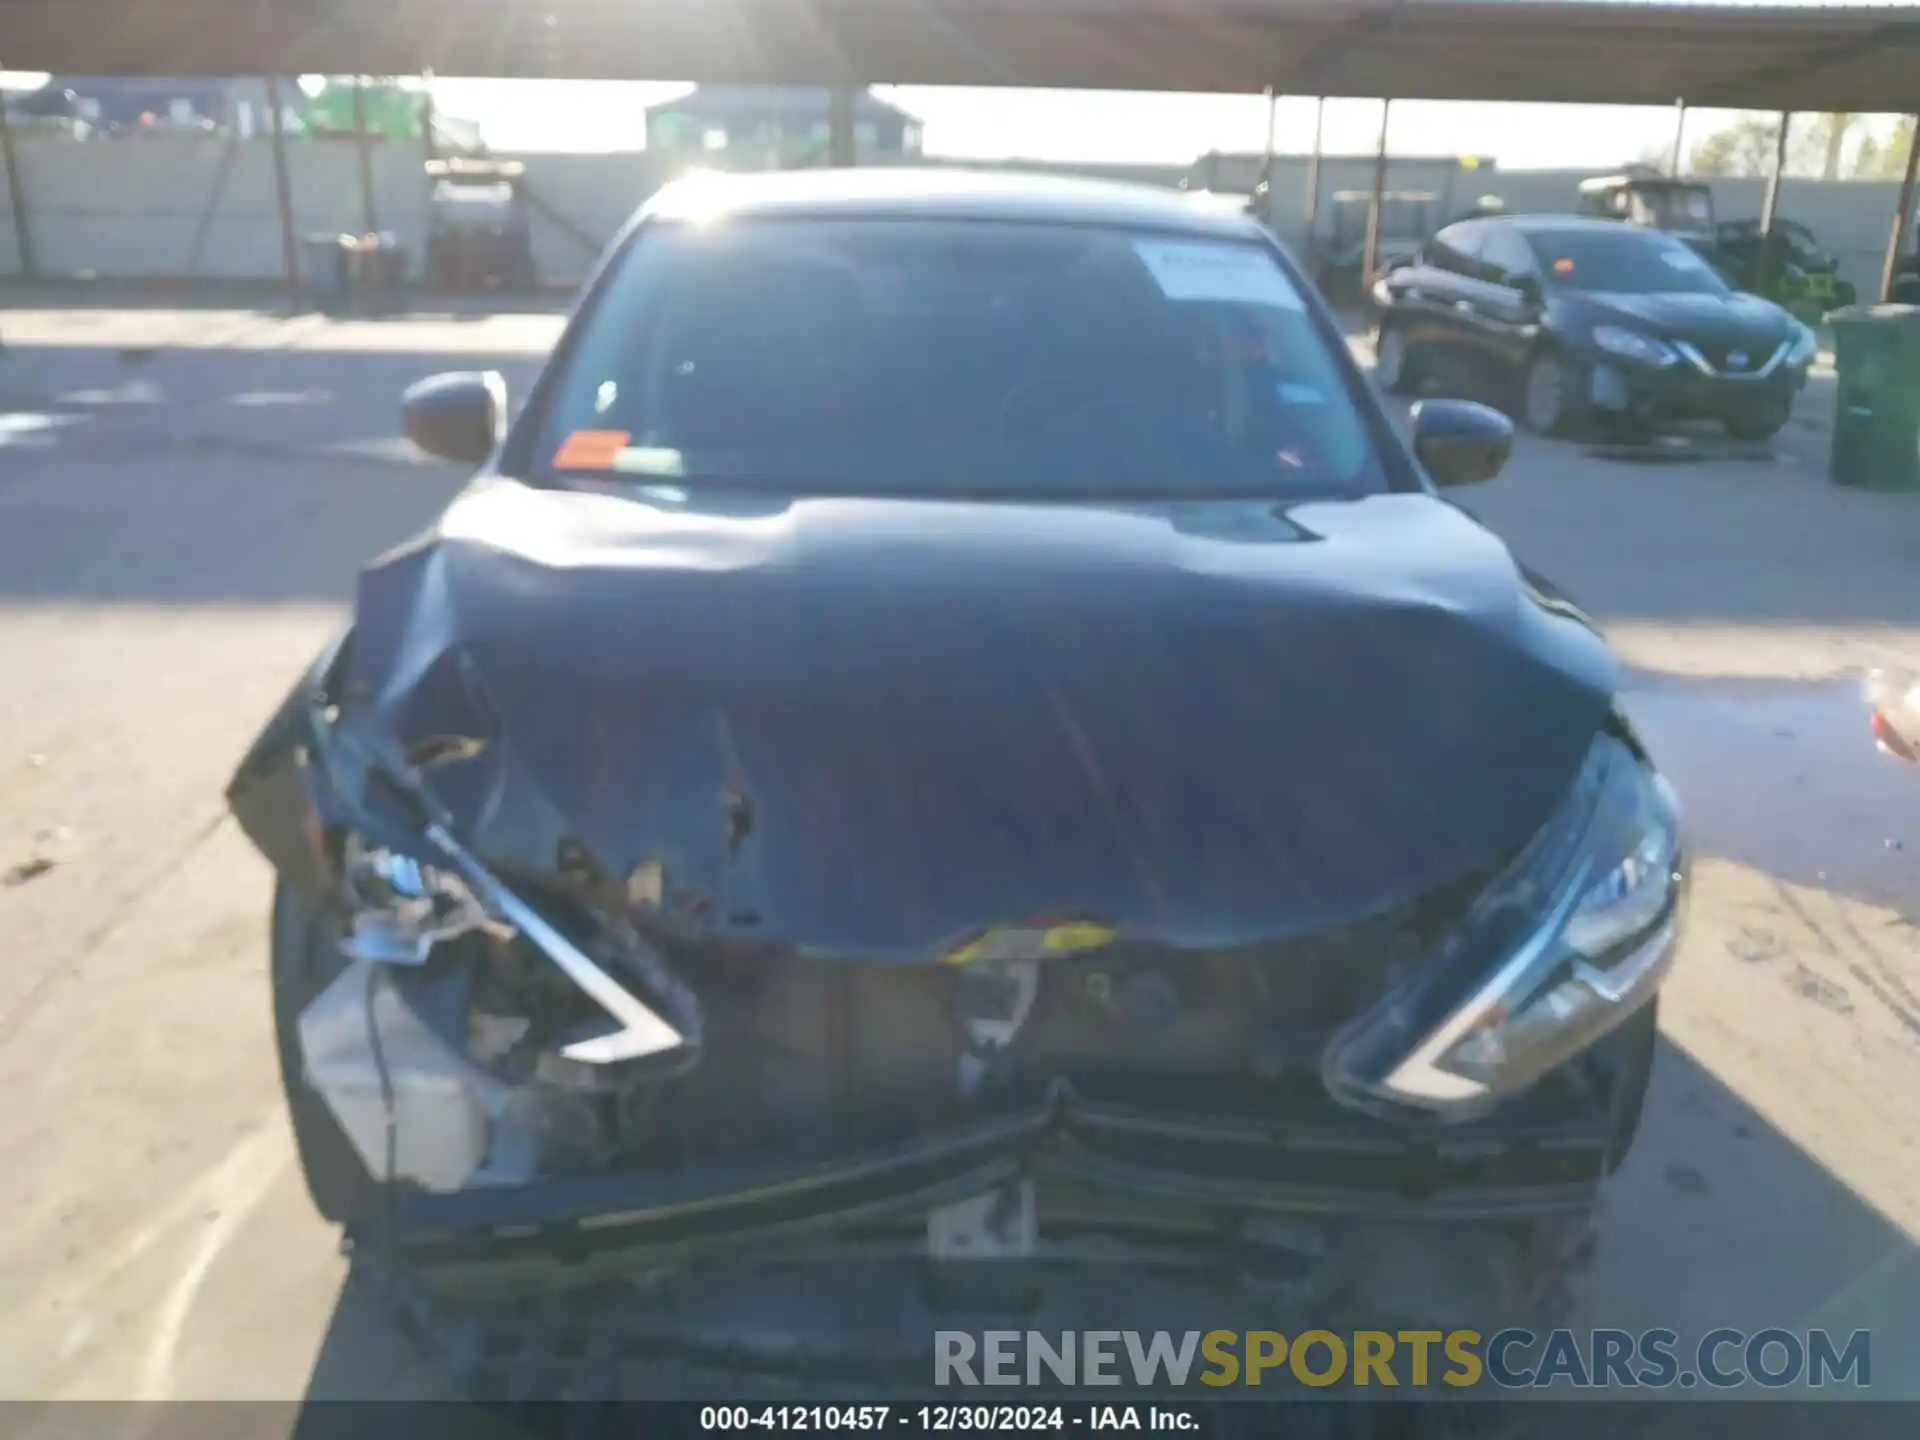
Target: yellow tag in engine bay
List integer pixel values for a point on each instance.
(1032, 942)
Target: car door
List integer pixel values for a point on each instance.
(1507, 313)
(1447, 288)
(1407, 293)
(1479, 307)
(1406, 298)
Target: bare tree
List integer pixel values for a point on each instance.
(1828, 139)
(1874, 161)
(1744, 148)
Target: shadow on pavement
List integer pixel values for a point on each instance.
(1730, 541)
(1717, 1218)
(264, 298)
(1728, 537)
(211, 476)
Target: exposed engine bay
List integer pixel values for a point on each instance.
(487, 1039)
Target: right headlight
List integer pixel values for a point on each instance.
(1632, 345)
(1569, 942)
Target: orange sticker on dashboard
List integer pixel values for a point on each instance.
(591, 450)
(1563, 267)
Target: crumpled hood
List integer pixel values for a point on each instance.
(1711, 320)
(866, 728)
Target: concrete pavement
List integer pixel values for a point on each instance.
(184, 498)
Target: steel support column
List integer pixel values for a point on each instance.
(1679, 135)
(17, 197)
(1313, 164)
(283, 191)
(429, 141)
(841, 148)
(363, 147)
(1266, 164)
(1770, 205)
(1902, 221)
(1370, 256)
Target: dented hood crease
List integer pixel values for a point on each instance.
(868, 727)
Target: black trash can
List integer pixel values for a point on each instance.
(328, 278)
(1876, 423)
(377, 271)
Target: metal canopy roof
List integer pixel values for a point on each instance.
(1854, 57)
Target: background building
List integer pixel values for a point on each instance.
(742, 127)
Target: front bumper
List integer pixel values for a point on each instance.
(1178, 1185)
(1685, 391)
(759, 1270)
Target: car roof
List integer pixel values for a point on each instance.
(894, 193)
(1564, 224)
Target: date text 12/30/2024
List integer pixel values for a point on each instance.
(940, 1419)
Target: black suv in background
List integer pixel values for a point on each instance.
(1580, 324)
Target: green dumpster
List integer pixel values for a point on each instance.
(1876, 425)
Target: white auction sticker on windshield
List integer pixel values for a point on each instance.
(1188, 270)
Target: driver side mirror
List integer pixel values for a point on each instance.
(1459, 442)
(457, 416)
(1528, 285)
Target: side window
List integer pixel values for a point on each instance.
(1507, 255)
(1455, 249)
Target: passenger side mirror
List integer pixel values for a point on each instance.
(1528, 284)
(457, 416)
(1459, 442)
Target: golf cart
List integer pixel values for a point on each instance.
(1797, 273)
(1337, 254)
(479, 237)
(1681, 207)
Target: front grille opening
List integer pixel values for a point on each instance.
(804, 1051)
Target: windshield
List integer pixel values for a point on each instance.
(954, 358)
(1635, 262)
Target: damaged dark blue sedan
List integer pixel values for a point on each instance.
(952, 761)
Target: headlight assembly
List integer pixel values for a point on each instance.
(1567, 944)
(400, 908)
(1632, 345)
